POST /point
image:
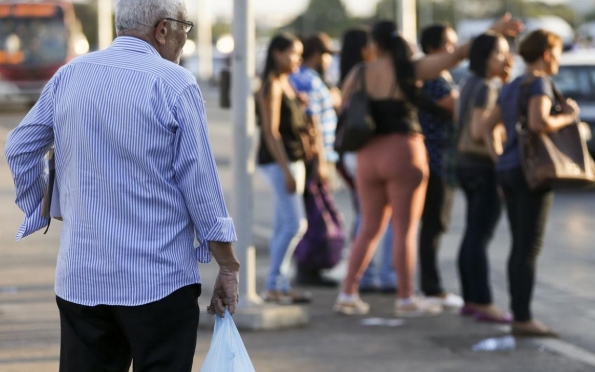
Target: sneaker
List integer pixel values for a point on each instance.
(416, 307)
(290, 297)
(271, 296)
(448, 301)
(351, 305)
(295, 297)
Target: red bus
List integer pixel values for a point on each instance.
(36, 39)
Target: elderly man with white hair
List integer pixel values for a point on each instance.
(137, 186)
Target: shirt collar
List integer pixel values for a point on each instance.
(134, 44)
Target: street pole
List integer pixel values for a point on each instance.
(407, 19)
(243, 165)
(105, 24)
(204, 40)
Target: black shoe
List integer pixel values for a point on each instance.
(368, 289)
(316, 281)
(388, 290)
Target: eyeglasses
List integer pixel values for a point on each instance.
(187, 24)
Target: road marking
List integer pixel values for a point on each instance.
(568, 350)
(560, 347)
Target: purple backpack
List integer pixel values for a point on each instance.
(322, 245)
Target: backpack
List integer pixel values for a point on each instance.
(322, 245)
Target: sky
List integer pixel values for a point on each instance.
(278, 10)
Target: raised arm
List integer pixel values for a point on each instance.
(429, 67)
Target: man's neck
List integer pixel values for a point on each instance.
(142, 37)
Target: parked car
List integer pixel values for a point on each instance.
(576, 80)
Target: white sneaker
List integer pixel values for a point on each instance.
(351, 305)
(416, 307)
(451, 302)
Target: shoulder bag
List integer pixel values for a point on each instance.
(552, 160)
(357, 125)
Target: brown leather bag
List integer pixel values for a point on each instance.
(559, 159)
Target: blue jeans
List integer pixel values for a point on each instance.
(289, 224)
(380, 271)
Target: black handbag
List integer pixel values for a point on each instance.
(356, 125)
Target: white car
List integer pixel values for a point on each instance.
(576, 80)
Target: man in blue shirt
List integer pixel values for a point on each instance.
(137, 184)
(322, 118)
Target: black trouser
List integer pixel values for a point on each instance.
(434, 223)
(484, 208)
(528, 211)
(158, 337)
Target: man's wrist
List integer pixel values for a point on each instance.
(229, 266)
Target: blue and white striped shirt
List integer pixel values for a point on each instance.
(135, 171)
(320, 103)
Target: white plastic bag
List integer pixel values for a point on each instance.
(227, 352)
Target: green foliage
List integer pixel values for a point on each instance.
(328, 16)
(87, 15)
(331, 16)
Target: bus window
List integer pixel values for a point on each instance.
(41, 40)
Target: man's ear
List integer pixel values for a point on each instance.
(161, 32)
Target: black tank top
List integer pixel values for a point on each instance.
(292, 121)
(394, 116)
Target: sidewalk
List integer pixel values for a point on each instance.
(29, 324)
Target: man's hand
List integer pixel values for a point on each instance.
(225, 293)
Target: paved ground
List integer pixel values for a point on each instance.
(564, 298)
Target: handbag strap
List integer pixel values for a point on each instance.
(362, 78)
(524, 91)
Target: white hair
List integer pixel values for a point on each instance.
(133, 15)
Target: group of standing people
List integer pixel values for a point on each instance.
(431, 136)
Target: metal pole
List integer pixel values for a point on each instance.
(105, 24)
(243, 117)
(407, 19)
(205, 42)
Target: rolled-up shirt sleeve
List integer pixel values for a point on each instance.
(196, 174)
(26, 146)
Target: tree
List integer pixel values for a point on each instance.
(328, 16)
(87, 15)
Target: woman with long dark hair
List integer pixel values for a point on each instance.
(392, 168)
(357, 48)
(489, 59)
(281, 159)
(528, 209)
